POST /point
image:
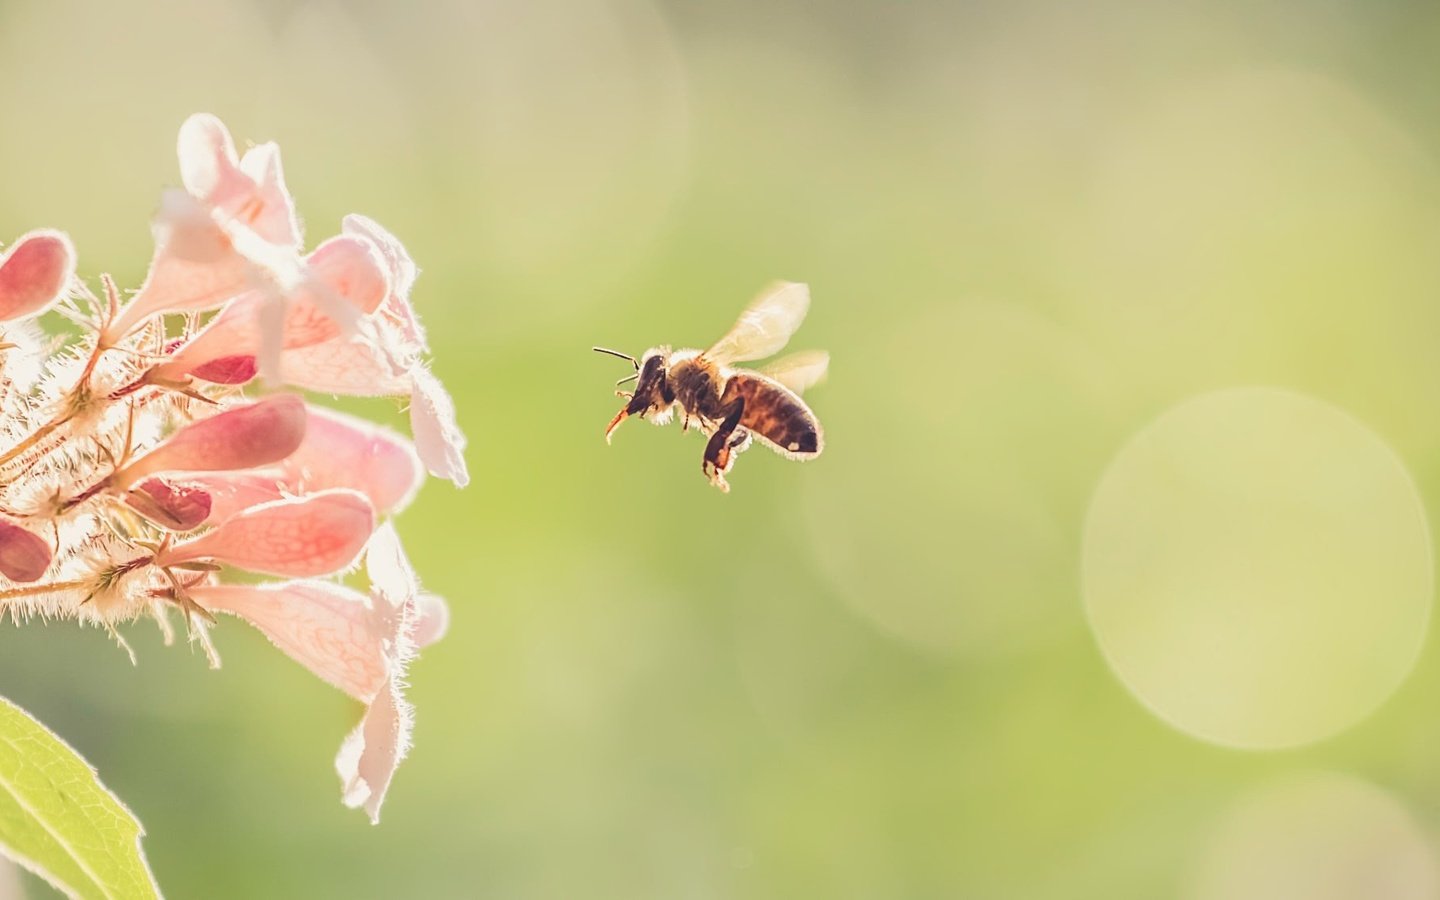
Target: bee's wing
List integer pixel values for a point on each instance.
(765, 325)
(799, 371)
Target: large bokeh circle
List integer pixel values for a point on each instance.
(1257, 568)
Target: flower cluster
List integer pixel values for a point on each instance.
(141, 457)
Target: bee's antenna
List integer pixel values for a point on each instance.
(627, 378)
(633, 361)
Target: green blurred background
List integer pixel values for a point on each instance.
(1029, 229)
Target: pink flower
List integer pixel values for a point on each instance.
(34, 272)
(136, 471)
(233, 233)
(360, 644)
(234, 218)
(342, 267)
(387, 362)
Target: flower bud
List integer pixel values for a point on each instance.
(239, 438)
(176, 507)
(24, 555)
(34, 273)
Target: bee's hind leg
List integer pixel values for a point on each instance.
(723, 445)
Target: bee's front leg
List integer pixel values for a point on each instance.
(720, 450)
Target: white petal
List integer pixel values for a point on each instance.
(368, 757)
(438, 438)
(392, 580)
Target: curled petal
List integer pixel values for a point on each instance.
(305, 537)
(368, 757)
(397, 260)
(341, 451)
(24, 555)
(178, 507)
(240, 438)
(325, 627)
(397, 309)
(438, 438)
(34, 273)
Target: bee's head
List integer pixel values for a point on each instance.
(652, 391)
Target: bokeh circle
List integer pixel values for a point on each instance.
(1257, 569)
(1320, 836)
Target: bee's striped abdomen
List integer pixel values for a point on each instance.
(776, 414)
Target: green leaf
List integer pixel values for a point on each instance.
(59, 821)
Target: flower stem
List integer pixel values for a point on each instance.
(77, 396)
(33, 589)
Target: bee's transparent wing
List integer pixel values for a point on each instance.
(765, 325)
(799, 371)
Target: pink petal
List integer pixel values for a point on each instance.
(242, 437)
(250, 193)
(397, 260)
(305, 537)
(34, 272)
(342, 451)
(234, 492)
(207, 156)
(178, 507)
(438, 438)
(432, 620)
(368, 757)
(342, 367)
(325, 627)
(24, 556)
(272, 211)
(345, 280)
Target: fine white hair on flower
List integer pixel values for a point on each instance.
(140, 460)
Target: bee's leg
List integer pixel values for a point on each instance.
(718, 451)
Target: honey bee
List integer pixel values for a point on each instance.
(732, 406)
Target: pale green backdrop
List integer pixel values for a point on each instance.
(1029, 229)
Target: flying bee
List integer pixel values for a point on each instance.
(732, 406)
